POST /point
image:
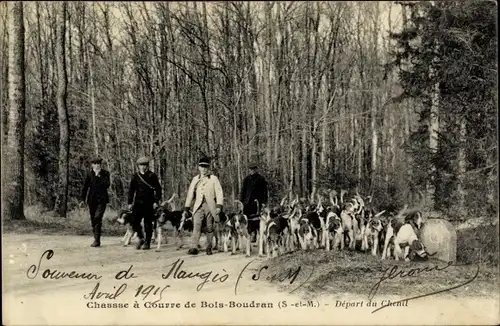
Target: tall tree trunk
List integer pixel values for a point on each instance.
(374, 96)
(462, 165)
(314, 153)
(266, 73)
(62, 110)
(4, 71)
(433, 129)
(13, 152)
(43, 75)
(92, 104)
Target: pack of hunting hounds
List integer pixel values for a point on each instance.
(340, 222)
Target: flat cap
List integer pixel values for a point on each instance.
(142, 160)
(204, 161)
(96, 160)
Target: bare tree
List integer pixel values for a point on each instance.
(62, 110)
(13, 152)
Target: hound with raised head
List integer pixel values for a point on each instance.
(415, 219)
(229, 234)
(373, 232)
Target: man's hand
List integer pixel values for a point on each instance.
(183, 218)
(129, 207)
(155, 205)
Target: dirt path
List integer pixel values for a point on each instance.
(31, 299)
(73, 253)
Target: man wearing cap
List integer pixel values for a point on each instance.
(95, 194)
(206, 191)
(254, 188)
(143, 197)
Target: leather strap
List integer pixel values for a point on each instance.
(144, 181)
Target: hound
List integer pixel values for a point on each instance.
(277, 230)
(308, 236)
(265, 217)
(167, 212)
(373, 232)
(335, 231)
(406, 235)
(274, 233)
(415, 220)
(350, 224)
(236, 229)
(126, 218)
(229, 234)
(293, 218)
(391, 230)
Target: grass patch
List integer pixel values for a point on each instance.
(478, 244)
(39, 221)
(350, 272)
(358, 273)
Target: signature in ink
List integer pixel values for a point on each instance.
(290, 274)
(177, 272)
(54, 274)
(395, 272)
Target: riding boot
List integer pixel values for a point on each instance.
(97, 236)
(147, 243)
(148, 226)
(209, 242)
(93, 232)
(140, 236)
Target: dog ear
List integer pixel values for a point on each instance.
(239, 206)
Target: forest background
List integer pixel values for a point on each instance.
(389, 99)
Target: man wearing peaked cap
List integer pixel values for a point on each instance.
(143, 160)
(95, 194)
(206, 192)
(143, 198)
(253, 192)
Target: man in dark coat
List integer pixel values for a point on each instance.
(144, 196)
(95, 194)
(254, 188)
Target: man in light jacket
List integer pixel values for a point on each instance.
(206, 191)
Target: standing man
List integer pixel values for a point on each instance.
(143, 197)
(206, 191)
(95, 194)
(254, 188)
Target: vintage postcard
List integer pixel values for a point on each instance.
(249, 163)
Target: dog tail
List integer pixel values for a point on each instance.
(258, 206)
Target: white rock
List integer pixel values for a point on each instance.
(439, 236)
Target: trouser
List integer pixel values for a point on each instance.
(202, 213)
(144, 212)
(250, 208)
(96, 211)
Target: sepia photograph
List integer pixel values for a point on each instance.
(249, 163)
